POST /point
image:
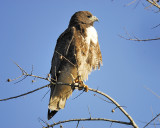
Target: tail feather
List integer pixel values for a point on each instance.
(51, 114)
(62, 103)
(58, 96)
(55, 104)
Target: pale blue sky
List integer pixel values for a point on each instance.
(28, 34)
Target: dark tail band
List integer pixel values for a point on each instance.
(51, 114)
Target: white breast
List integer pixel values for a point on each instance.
(91, 35)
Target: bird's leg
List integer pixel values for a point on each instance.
(81, 84)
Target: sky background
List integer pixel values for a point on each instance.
(28, 33)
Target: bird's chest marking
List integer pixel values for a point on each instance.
(91, 35)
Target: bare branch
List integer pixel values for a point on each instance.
(120, 108)
(9, 80)
(43, 122)
(25, 74)
(114, 102)
(77, 124)
(45, 95)
(156, 26)
(131, 3)
(78, 95)
(153, 117)
(151, 120)
(154, 3)
(89, 112)
(23, 71)
(24, 93)
(20, 80)
(153, 92)
(137, 39)
(87, 119)
(113, 110)
(65, 58)
(32, 69)
(74, 85)
(102, 98)
(58, 83)
(144, 122)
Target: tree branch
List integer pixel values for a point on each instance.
(24, 93)
(120, 107)
(87, 119)
(151, 120)
(74, 85)
(58, 83)
(137, 39)
(154, 3)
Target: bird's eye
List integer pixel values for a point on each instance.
(89, 16)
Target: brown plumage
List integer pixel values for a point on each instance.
(77, 52)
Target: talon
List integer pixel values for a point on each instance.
(81, 84)
(86, 88)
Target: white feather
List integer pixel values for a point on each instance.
(91, 35)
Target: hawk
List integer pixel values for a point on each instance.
(76, 54)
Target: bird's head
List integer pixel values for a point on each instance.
(83, 17)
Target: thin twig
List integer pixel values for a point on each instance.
(44, 121)
(151, 120)
(24, 93)
(154, 3)
(89, 112)
(102, 98)
(153, 117)
(32, 70)
(45, 95)
(79, 95)
(20, 80)
(77, 124)
(23, 71)
(137, 39)
(65, 58)
(17, 78)
(153, 92)
(131, 2)
(147, 122)
(111, 124)
(119, 106)
(25, 74)
(39, 119)
(58, 83)
(155, 26)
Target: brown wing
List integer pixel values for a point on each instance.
(94, 56)
(58, 95)
(61, 50)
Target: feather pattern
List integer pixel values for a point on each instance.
(77, 53)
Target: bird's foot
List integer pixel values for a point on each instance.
(85, 87)
(81, 84)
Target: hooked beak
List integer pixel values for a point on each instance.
(94, 18)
